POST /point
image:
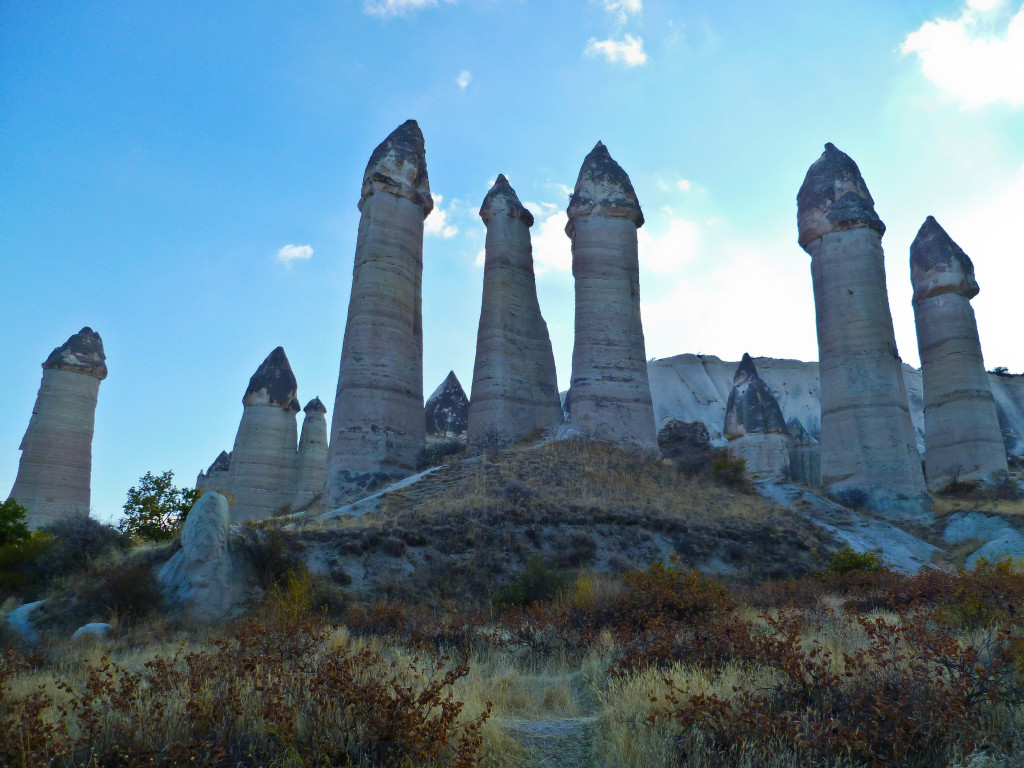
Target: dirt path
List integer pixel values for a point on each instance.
(565, 743)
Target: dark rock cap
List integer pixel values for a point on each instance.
(938, 265)
(399, 166)
(221, 464)
(82, 353)
(834, 198)
(446, 412)
(801, 436)
(503, 199)
(294, 405)
(273, 383)
(315, 406)
(603, 189)
(752, 407)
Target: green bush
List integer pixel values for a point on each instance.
(730, 472)
(77, 543)
(538, 583)
(19, 563)
(848, 560)
(155, 509)
(13, 528)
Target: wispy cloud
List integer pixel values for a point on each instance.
(684, 185)
(667, 252)
(388, 9)
(551, 248)
(291, 253)
(464, 78)
(437, 224)
(629, 50)
(977, 58)
(623, 8)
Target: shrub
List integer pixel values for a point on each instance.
(848, 560)
(155, 510)
(436, 454)
(537, 583)
(126, 591)
(730, 472)
(13, 528)
(19, 563)
(77, 542)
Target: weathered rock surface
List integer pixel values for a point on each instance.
(610, 394)
(997, 539)
(867, 437)
(217, 475)
(311, 463)
(446, 413)
(55, 473)
(962, 436)
(687, 444)
(20, 621)
(755, 427)
(377, 429)
(97, 630)
(515, 390)
(205, 578)
(804, 455)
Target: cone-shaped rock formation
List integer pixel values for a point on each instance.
(55, 473)
(755, 426)
(867, 438)
(962, 436)
(446, 412)
(609, 392)
(515, 389)
(377, 426)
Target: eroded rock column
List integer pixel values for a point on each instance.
(263, 460)
(609, 393)
(311, 468)
(55, 473)
(961, 427)
(515, 389)
(446, 412)
(868, 448)
(377, 425)
(755, 427)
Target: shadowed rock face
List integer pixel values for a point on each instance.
(804, 455)
(55, 473)
(610, 395)
(515, 390)
(377, 428)
(962, 433)
(755, 426)
(447, 409)
(867, 438)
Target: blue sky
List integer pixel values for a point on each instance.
(160, 161)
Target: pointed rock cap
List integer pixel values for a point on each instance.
(273, 383)
(446, 412)
(752, 408)
(502, 199)
(399, 165)
(834, 197)
(221, 464)
(451, 385)
(82, 353)
(801, 436)
(603, 189)
(294, 405)
(314, 406)
(938, 265)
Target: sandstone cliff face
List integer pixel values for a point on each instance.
(377, 429)
(962, 435)
(446, 413)
(867, 437)
(515, 390)
(55, 473)
(755, 427)
(610, 397)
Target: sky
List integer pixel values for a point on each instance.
(183, 178)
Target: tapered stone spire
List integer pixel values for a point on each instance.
(377, 425)
(609, 393)
(262, 470)
(867, 438)
(961, 425)
(755, 427)
(311, 467)
(55, 473)
(515, 389)
(446, 412)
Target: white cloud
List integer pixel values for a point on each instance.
(684, 185)
(628, 51)
(481, 258)
(623, 8)
(388, 9)
(437, 224)
(667, 252)
(977, 58)
(465, 76)
(291, 253)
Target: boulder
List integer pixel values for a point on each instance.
(95, 631)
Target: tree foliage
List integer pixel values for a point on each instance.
(13, 528)
(155, 509)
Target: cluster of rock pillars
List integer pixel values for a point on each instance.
(378, 430)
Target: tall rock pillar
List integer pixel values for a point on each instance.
(609, 394)
(868, 448)
(55, 473)
(377, 428)
(262, 467)
(312, 459)
(962, 439)
(515, 390)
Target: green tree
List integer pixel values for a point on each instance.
(13, 528)
(155, 509)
